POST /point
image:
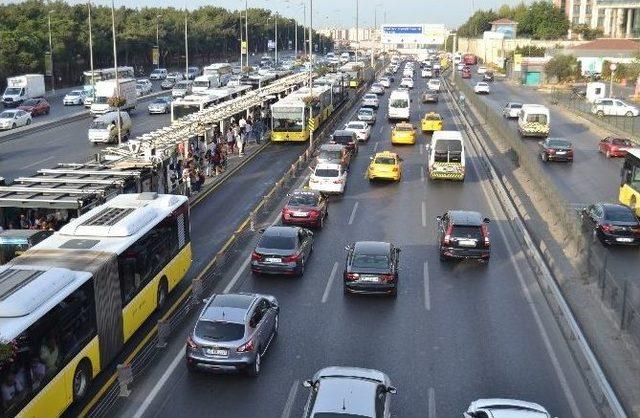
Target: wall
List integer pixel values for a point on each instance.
(491, 50)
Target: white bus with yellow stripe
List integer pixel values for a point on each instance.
(447, 156)
(69, 304)
(302, 111)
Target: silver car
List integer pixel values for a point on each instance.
(233, 332)
(161, 105)
(366, 114)
(351, 391)
(505, 408)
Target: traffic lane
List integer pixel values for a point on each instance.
(64, 143)
(320, 326)
(591, 177)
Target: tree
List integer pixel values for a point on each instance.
(477, 24)
(544, 21)
(530, 51)
(562, 68)
(587, 32)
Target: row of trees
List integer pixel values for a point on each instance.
(537, 20)
(213, 35)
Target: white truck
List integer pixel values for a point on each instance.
(21, 88)
(107, 89)
(534, 120)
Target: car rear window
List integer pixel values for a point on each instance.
(516, 106)
(277, 242)
(342, 139)
(370, 261)
(558, 143)
(404, 128)
(326, 172)
(620, 214)
(621, 141)
(467, 231)
(219, 331)
(304, 199)
(385, 160)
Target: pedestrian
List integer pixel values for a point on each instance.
(208, 163)
(231, 139)
(240, 142)
(186, 180)
(242, 123)
(248, 130)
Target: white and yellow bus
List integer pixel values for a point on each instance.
(69, 304)
(295, 115)
(355, 71)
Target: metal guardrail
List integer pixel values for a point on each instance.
(118, 386)
(592, 260)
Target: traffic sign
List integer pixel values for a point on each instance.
(312, 125)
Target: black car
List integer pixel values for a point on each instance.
(556, 149)
(282, 250)
(612, 223)
(430, 96)
(347, 138)
(371, 267)
(463, 234)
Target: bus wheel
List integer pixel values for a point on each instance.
(633, 204)
(163, 291)
(81, 379)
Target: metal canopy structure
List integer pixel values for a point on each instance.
(152, 148)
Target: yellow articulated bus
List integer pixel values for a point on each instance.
(355, 71)
(629, 193)
(69, 304)
(302, 111)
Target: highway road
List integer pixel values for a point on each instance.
(455, 333)
(590, 178)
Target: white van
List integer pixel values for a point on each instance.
(399, 105)
(534, 120)
(104, 128)
(446, 156)
(158, 74)
(204, 82)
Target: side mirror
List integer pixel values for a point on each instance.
(261, 230)
(392, 390)
(205, 300)
(439, 218)
(486, 220)
(307, 383)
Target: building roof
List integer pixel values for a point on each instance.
(504, 21)
(609, 44)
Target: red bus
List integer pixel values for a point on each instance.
(469, 59)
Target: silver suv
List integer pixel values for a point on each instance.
(349, 392)
(233, 332)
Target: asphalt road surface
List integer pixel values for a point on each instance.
(456, 332)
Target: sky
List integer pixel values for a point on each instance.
(343, 12)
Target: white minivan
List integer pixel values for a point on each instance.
(104, 128)
(399, 105)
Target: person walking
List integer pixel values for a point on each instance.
(248, 130)
(240, 142)
(231, 139)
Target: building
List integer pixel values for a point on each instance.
(593, 54)
(508, 28)
(616, 18)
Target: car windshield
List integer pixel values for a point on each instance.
(156, 72)
(336, 415)
(370, 96)
(160, 101)
(558, 143)
(367, 112)
(404, 128)
(7, 114)
(620, 214)
(400, 103)
(219, 331)
(539, 118)
(385, 160)
(432, 116)
(326, 172)
(277, 242)
(75, 93)
(303, 199)
(370, 261)
(515, 106)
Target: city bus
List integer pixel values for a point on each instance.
(295, 115)
(70, 303)
(196, 102)
(629, 193)
(107, 74)
(222, 73)
(355, 71)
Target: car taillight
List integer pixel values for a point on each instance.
(394, 169)
(485, 234)
(291, 258)
(386, 278)
(447, 236)
(248, 346)
(352, 277)
(256, 257)
(339, 181)
(190, 343)
(606, 228)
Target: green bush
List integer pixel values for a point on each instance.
(562, 68)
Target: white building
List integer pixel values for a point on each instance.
(616, 18)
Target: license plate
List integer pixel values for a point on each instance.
(273, 260)
(624, 239)
(372, 279)
(300, 214)
(217, 352)
(467, 243)
(561, 152)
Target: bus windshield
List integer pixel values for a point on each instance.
(287, 119)
(11, 248)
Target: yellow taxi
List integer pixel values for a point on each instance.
(431, 122)
(385, 165)
(403, 133)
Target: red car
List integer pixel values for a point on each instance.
(305, 208)
(615, 147)
(36, 107)
(466, 72)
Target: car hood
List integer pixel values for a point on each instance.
(5, 120)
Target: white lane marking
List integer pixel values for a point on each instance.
(380, 129)
(39, 162)
(332, 276)
(156, 389)
(424, 213)
(290, 399)
(241, 270)
(375, 147)
(421, 149)
(575, 411)
(421, 174)
(353, 213)
(432, 403)
(427, 292)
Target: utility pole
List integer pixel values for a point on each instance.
(453, 53)
(357, 32)
(115, 67)
(186, 42)
(304, 26)
(93, 79)
(240, 27)
(276, 39)
(310, 68)
(295, 35)
(53, 88)
(246, 35)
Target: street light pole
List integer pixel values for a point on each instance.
(357, 31)
(158, 38)
(93, 79)
(310, 67)
(246, 35)
(115, 67)
(53, 88)
(186, 42)
(304, 26)
(276, 39)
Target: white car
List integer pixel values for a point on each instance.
(370, 100)
(511, 110)
(158, 74)
(377, 88)
(144, 86)
(427, 72)
(481, 88)
(362, 129)
(328, 178)
(74, 97)
(433, 84)
(14, 118)
(482, 69)
(385, 82)
(407, 82)
(408, 72)
(507, 408)
(613, 107)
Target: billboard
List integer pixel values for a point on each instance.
(413, 34)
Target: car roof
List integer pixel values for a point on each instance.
(465, 217)
(228, 307)
(281, 231)
(346, 395)
(610, 206)
(372, 247)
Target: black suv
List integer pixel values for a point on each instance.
(463, 234)
(371, 267)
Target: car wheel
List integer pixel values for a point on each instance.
(544, 157)
(13, 126)
(321, 223)
(191, 368)
(632, 204)
(608, 154)
(301, 272)
(163, 291)
(28, 122)
(600, 113)
(629, 114)
(254, 369)
(443, 257)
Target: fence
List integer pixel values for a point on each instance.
(127, 374)
(618, 293)
(578, 104)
